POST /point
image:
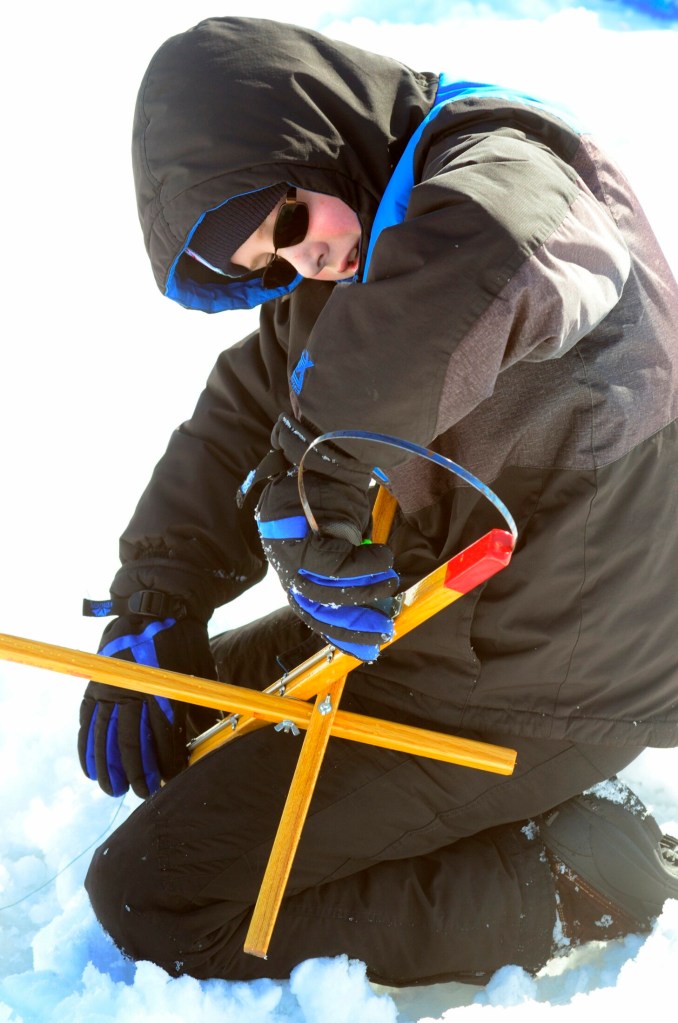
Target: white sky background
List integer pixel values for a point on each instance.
(98, 368)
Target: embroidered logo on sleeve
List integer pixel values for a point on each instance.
(298, 373)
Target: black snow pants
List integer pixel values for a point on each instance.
(425, 871)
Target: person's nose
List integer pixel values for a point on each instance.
(308, 258)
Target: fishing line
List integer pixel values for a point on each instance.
(51, 880)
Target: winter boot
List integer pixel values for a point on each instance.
(612, 866)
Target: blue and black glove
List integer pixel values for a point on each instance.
(129, 738)
(336, 580)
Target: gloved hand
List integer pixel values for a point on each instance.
(336, 582)
(129, 738)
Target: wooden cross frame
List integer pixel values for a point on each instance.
(322, 676)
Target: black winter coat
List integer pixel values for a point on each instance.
(521, 320)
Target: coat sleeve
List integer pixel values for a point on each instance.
(187, 535)
(504, 255)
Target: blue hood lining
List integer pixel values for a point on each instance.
(234, 293)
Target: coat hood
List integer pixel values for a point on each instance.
(237, 104)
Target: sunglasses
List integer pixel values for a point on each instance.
(290, 228)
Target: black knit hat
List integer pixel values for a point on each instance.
(221, 232)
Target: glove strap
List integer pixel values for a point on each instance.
(273, 464)
(148, 603)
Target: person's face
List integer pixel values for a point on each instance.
(330, 250)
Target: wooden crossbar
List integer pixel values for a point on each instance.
(270, 709)
(328, 693)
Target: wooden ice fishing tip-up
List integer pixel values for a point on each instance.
(284, 703)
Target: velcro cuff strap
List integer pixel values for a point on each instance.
(147, 603)
(152, 604)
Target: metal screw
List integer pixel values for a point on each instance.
(286, 726)
(325, 707)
